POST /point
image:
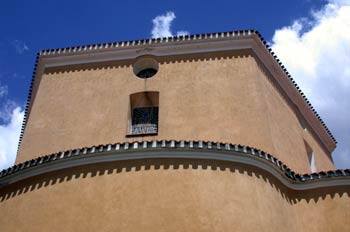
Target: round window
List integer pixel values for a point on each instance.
(145, 67)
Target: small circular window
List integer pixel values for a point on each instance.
(145, 68)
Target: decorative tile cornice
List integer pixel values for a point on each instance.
(151, 41)
(95, 48)
(210, 150)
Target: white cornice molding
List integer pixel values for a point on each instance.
(200, 154)
(165, 49)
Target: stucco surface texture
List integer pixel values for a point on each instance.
(225, 97)
(168, 195)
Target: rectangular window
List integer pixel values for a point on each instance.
(144, 111)
(312, 162)
(311, 157)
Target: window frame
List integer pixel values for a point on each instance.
(139, 100)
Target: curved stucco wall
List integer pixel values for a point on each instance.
(168, 195)
(225, 97)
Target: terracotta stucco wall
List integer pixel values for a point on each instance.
(168, 195)
(323, 161)
(158, 197)
(219, 97)
(287, 131)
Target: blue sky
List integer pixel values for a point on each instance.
(311, 38)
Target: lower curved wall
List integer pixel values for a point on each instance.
(168, 195)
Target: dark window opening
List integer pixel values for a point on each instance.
(147, 73)
(144, 120)
(145, 67)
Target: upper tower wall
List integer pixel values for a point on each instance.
(225, 90)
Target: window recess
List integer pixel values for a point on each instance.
(144, 114)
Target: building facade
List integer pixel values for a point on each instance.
(192, 133)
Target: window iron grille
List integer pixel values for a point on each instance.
(144, 120)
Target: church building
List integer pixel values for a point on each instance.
(205, 132)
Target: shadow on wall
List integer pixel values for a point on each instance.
(114, 168)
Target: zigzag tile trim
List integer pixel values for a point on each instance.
(174, 144)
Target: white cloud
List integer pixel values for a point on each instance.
(3, 90)
(162, 26)
(180, 33)
(316, 51)
(6, 109)
(20, 46)
(11, 117)
(9, 136)
(6, 105)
